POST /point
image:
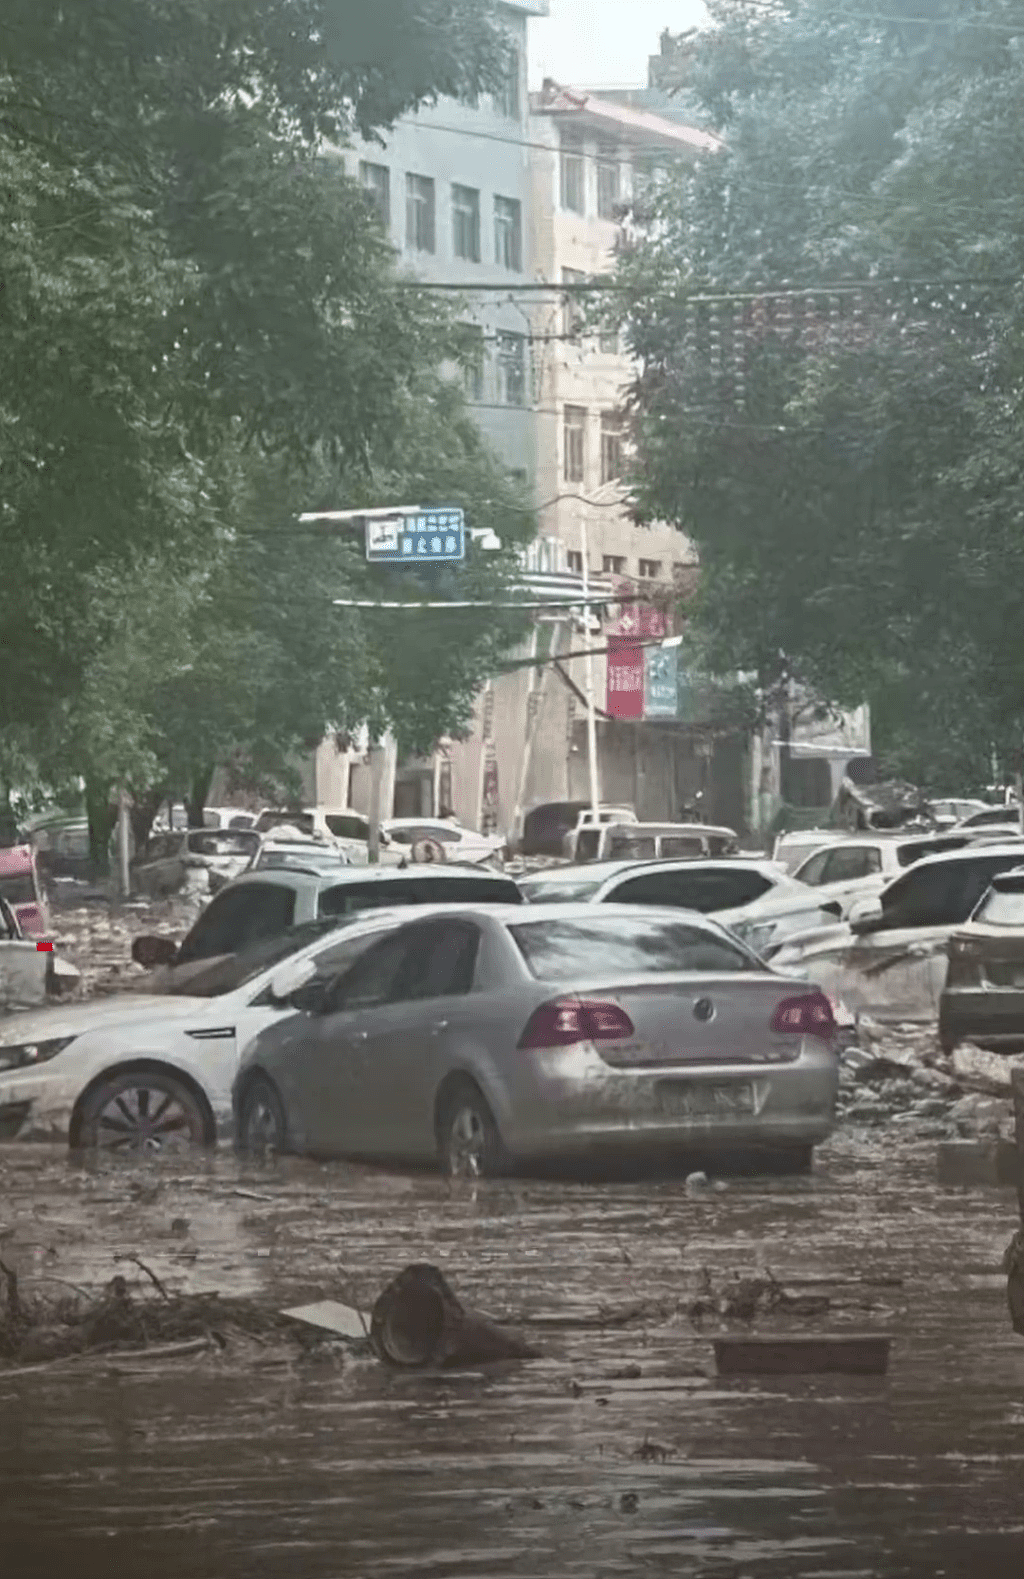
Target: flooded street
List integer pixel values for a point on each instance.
(619, 1452)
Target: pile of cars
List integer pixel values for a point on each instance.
(442, 1011)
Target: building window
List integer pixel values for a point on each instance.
(608, 341)
(375, 180)
(575, 561)
(607, 183)
(613, 565)
(650, 569)
(511, 367)
(574, 176)
(572, 308)
(508, 233)
(611, 446)
(419, 213)
(466, 223)
(473, 364)
(575, 443)
(509, 100)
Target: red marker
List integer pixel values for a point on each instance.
(44, 946)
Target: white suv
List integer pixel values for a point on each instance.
(862, 864)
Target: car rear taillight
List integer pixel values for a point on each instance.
(809, 1015)
(569, 1021)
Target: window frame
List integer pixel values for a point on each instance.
(420, 199)
(612, 443)
(504, 342)
(572, 171)
(574, 443)
(465, 202)
(508, 233)
(378, 193)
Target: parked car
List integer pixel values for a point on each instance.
(263, 905)
(890, 960)
(169, 857)
(486, 1038)
(863, 864)
(228, 817)
(19, 885)
(426, 839)
(25, 972)
(948, 813)
(993, 817)
(297, 854)
(542, 829)
(341, 826)
(983, 997)
(792, 849)
(588, 826)
(649, 841)
(152, 1071)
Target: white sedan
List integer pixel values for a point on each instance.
(438, 839)
(152, 1070)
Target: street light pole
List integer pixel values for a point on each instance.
(595, 792)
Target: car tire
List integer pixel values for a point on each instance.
(468, 1140)
(262, 1122)
(142, 1111)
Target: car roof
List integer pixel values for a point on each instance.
(600, 870)
(337, 877)
(971, 852)
(566, 910)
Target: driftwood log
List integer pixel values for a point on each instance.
(418, 1322)
(1015, 1251)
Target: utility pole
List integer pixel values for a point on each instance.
(378, 757)
(123, 844)
(595, 791)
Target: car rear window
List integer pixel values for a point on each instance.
(303, 820)
(570, 951)
(907, 854)
(348, 898)
(557, 893)
(348, 827)
(1002, 907)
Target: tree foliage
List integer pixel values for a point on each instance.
(203, 332)
(830, 335)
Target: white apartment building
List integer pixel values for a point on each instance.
(589, 154)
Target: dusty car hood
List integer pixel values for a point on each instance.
(76, 1019)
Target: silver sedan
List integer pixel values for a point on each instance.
(489, 1036)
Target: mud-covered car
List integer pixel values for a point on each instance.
(983, 998)
(170, 858)
(151, 1071)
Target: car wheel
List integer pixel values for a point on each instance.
(142, 1112)
(262, 1126)
(469, 1144)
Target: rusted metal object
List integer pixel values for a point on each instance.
(418, 1322)
(844, 1354)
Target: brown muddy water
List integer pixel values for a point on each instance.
(619, 1453)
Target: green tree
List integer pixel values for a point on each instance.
(200, 320)
(848, 460)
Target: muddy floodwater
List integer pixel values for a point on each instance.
(619, 1453)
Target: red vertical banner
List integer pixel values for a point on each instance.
(625, 677)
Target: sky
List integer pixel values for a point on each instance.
(604, 43)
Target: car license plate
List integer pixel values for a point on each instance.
(698, 1099)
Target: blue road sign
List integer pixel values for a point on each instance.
(432, 537)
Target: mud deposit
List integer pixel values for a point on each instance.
(618, 1453)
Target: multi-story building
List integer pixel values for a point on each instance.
(590, 154)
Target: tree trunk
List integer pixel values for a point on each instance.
(196, 798)
(142, 813)
(418, 1322)
(102, 816)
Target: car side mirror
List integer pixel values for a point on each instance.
(291, 979)
(151, 951)
(309, 999)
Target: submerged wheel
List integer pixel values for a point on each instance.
(469, 1145)
(262, 1125)
(142, 1111)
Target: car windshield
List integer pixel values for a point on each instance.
(557, 893)
(350, 898)
(563, 950)
(212, 978)
(1002, 907)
